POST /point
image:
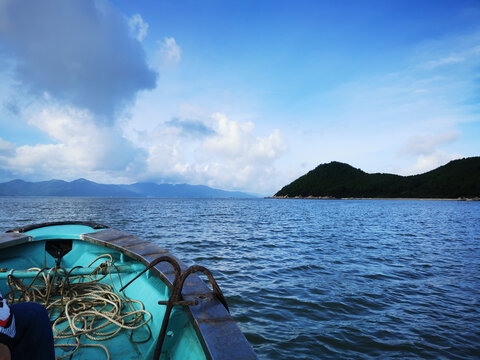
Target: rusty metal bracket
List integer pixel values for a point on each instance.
(176, 293)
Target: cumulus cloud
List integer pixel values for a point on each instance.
(235, 141)
(81, 148)
(83, 63)
(138, 27)
(227, 155)
(79, 52)
(232, 138)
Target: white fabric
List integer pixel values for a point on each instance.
(11, 330)
(4, 310)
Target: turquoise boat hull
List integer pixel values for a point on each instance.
(199, 328)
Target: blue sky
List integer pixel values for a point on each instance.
(236, 95)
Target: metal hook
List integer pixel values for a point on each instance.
(176, 293)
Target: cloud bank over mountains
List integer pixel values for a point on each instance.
(76, 69)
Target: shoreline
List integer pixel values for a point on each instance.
(368, 198)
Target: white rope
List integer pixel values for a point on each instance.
(84, 306)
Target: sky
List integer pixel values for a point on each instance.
(236, 95)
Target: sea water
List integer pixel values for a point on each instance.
(315, 279)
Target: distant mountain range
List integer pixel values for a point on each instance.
(457, 179)
(82, 187)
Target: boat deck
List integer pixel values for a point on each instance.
(148, 288)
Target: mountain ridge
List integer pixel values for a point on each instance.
(457, 179)
(84, 187)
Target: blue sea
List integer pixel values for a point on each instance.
(315, 279)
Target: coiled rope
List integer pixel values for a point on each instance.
(82, 304)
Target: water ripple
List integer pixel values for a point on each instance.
(316, 279)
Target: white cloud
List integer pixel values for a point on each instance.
(235, 141)
(214, 151)
(138, 27)
(85, 57)
(452, 59)
(430, 161)
(427, 151)
(464, 50)
(81, 148)
(170, 52)
(231, 157)
(69, 95)
(232, 139)
(427, 145)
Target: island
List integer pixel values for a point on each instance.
(459, 179)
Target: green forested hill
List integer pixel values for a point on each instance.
(458, 178)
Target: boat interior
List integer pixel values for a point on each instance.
(71, 276)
